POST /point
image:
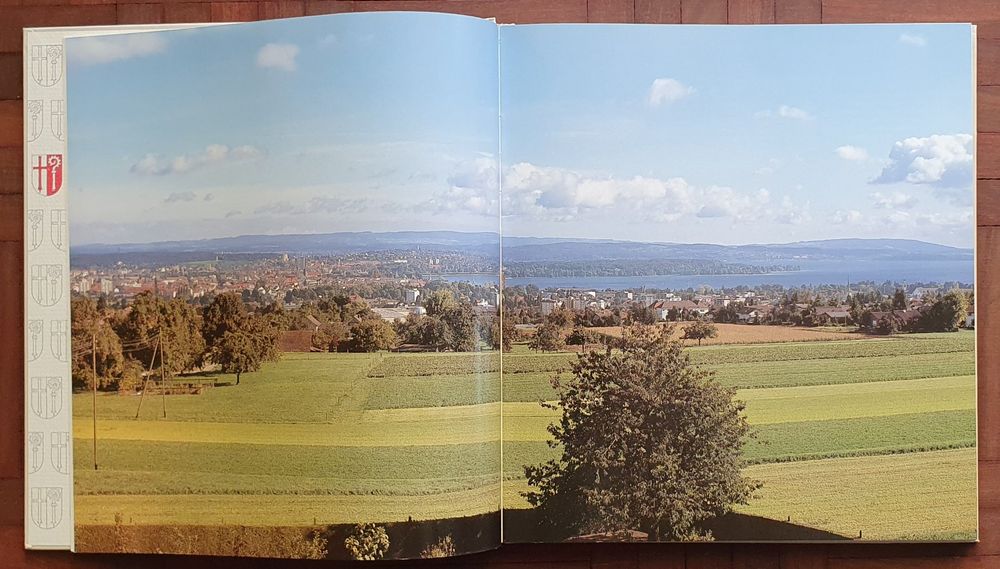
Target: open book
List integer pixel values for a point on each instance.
(263, 285)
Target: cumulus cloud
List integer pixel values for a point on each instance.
(666, 90)
(854, 153)
(939, 160)
(912, 39)
(278, 56)
(893, 200)
(214, 154)
(559, 194)
(473, 187)
(106, 49)
(785, 112)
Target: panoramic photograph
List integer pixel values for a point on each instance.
(285, 289)
(738, 283)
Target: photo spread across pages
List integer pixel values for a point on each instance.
(738, 283)
(284, 279)
(736, 304)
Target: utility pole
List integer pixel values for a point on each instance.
(145, 382)
(93, 361)
(163, 377)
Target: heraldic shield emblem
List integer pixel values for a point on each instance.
(46, 284)
(60, 451)
(34, 123)
(47, 173)
(46, 396)
(58, 229)
(46, 64)
(35, 230)
(59, 341)
(57, 118)
(36, 451)
(36, 341)
(46, 507)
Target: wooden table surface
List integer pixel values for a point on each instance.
(15, 14)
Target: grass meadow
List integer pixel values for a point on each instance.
(869, 437)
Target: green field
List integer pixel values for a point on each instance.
(853, 435)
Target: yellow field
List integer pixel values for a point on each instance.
(752, 334)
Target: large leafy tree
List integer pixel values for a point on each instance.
(175, 324)
(648, 442)
(372, 335)
(224, 314)
(548, 338)
(946, 313)
(247, 346)
(94, 342)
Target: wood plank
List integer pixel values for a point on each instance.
(234, 11)
(11, 70)
(754, 556)
(987, 335)
(853, 11)
(988, 61)
(988, 108)
(315, 7)
(658, 11)
(611, 11)
(140, 13)
(704, 11)
(987, 202)
(988, 155)
(661, 556)
(709, 556)
(282, 9)
(505, 11)
(798, 11)
(11, 361)
(751, 11)
(187, 12)
(11, 123)
(804, 556)
(11, 170)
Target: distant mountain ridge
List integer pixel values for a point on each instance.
(538, 249)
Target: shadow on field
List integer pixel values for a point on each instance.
(524, 526)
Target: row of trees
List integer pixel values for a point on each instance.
(120, 344)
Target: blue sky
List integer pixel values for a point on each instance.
(338, 123)
(388, 122)
(738, 134)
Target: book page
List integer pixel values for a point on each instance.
(739, 277)
(284, 278)
(48, 454)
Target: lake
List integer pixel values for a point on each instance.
(811, 273)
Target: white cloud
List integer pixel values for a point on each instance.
(558, 194)
(854, 153)
(912, 39)
(785, 112)
(666, 90)
(939, 160)
(105, 49)
(473, 187)
(278, 56)
(848, 217)
(772, 166)
(893, 200)
(157, 165)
